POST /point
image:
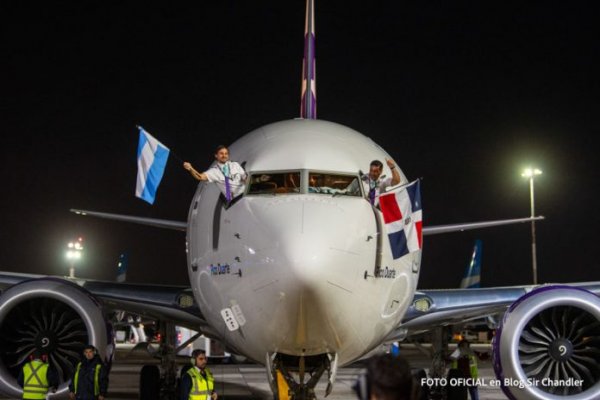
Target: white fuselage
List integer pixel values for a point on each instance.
(299, 266)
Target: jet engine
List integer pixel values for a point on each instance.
(548, 345)
(53, 315)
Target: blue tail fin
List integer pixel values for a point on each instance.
(472, 278)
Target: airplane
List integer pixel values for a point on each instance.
(303, 282)
(130, 328)
(472, 277)
(471, 280)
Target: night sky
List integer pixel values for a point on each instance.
(462, 94)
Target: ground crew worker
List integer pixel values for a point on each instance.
(229, 176)
(90, 381)
(37, 378)
(198, 383)
(465, 361)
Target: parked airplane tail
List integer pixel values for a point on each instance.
(472, 277)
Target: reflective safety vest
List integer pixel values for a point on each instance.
(201, 388)
(472, 365)
(35, 380)
(96, 379)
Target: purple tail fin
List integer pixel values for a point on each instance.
(308, 106)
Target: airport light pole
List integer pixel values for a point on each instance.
(74, 253)
(531, 173)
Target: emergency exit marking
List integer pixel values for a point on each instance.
(239, 316)
(229, 319)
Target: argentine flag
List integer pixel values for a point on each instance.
(152, 158)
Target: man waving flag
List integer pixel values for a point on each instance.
(152, 158)
(403, 217)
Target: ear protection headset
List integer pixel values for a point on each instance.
(195, 355)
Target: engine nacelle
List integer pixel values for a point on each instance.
(53, 315)
(548, 345)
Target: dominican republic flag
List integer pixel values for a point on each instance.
(152, 158)
(403, 217)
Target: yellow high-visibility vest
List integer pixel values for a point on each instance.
(472, 365)
(35, 380)
(201, 387)
(96, 379)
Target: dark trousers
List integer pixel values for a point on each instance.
(473, 393)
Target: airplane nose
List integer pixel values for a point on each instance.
(319, 247)
(321, 240)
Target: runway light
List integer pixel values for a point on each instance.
(529, 172)
(74, 253)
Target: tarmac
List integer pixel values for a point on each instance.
(249, 381)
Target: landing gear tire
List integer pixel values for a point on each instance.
(150, 383)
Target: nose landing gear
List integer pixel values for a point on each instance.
(283, 370)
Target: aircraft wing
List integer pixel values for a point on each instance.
(467, 226)
(62, 314)
(159, 302)
(441, 307)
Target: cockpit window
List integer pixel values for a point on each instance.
(296, 182)
(326, 183)
(275, 183)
